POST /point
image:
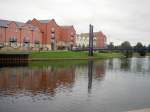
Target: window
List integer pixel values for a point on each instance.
(26, 43)
(13, 41)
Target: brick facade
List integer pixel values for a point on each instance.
(100, 40)
(68, 36)
(33, 32)
(42, 34)
(64, 35)
(19, 35)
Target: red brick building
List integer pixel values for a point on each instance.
(68, 36)
(19, 35)
(100, 39)
(46, 34)
(54, 35)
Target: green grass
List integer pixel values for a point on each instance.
(109, 55)
(58, 54)
(71, 54)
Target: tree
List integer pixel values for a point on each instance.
(126, 45)
(79, 46)
(111, 45)
(83, 46)
(149, 48)
(139, 46)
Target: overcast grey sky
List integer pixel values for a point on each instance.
(120, 20)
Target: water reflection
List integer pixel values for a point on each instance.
(50, 79)
(35, 80)
(125, 64)
(90, 74)
(130, 64)
(13, 63)
(76, 86)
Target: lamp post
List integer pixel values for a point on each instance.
(53, 39)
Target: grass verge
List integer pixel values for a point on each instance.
(72, 55)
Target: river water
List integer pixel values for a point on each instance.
(112, 85)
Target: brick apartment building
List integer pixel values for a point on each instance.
(45, 34)
(18, 34)
(55, 36)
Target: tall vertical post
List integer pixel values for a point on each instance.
(91, 40)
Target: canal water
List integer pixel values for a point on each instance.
(112, 85)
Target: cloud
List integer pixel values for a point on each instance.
(120, 20)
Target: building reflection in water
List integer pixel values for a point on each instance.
(47, 80)
(96, 71)
(35, 81)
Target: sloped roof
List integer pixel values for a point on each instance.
(44, 21)
(19, 23)
(4, 23)
(29, 22)
(65, 27)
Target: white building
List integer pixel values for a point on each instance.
(82, 40)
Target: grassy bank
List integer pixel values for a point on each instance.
(71, 55)
(148, 54)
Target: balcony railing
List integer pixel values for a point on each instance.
(37, 42)
(13, 39)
